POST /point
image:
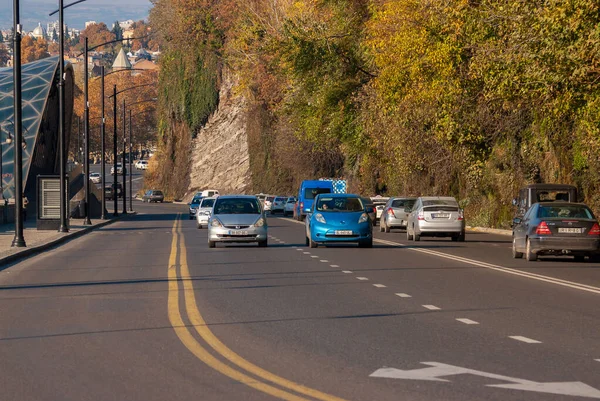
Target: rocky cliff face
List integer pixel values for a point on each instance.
(220, 158)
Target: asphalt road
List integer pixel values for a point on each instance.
(144, 310)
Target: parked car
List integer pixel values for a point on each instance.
(278, 205)
(207, 193)
(119, 169)
(193, 206)
(556, 228)
(204, 212)
(534, 193)
(394, 214)
(339, 218)
(237, 218)
(435, 216)
(153, 195)
(96, 178)
(109, 191)
(290, 204)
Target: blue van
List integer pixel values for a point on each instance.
(308, 190)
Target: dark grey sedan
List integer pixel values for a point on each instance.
(556, 228)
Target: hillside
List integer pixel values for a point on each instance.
(471, 99)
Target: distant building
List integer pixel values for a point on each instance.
(125, 25)
(121, 61)
(55, 26)
(39, 32)
(145, 65)
(88, 23)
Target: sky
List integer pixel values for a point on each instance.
(107, 11)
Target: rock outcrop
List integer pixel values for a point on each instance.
(220, 158)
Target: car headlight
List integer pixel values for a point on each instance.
(363, 218)
(319, 217)
(260, 222)
(216, 223)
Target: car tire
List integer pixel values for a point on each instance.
(530, 256)
(515, 254)
(462, 237)
(408, 236)
(198, 226)
(416, 237)
(312, 243)
(212, 244)
(307, 241)
(366, 244)
(263, 244)
(579, 258)
(191, 217)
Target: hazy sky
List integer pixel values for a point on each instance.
(107, 11)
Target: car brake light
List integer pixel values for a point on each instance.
(461, 215)
(390, 212)
(421, 215)
(543, 229)
(301, 204)
(595, 230)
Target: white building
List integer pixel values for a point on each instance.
(55, 26)
(87, 23)
(39, 32)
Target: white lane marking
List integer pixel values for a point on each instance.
(403, 295)
(597, 360)
(299, 249)
(306, 253)
(534, 276)
(431, 307)
(347, 271)
(362, 278)
(379, 285)
(467, 321)
(436, 371)
(314, 256)
(324, 261)
(525, 339)
(334, 265)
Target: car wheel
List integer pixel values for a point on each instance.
(529, 255)
(579, 258)
(262, 244)
(307, 241)
(416, 237)
(408, 236)
(312, 243)
(366, 244)
(515, 254)
(198, 226)
(191, 217)
(212, 244)
(461, 237)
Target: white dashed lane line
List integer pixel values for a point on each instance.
(333, 265)
(525, 339)
(597, 360)
(323, 261)
(347, 271)
(467, 321)
(314, 256)
(431, 307)
(379, 285)
(403, 295)
(362, 278)
(306, 253)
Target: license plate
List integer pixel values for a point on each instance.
(440, 215)
(570, 230)
(343, 232)
(238, 232)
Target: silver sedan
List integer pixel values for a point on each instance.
(237, 218)
(436, 216)
(394, 214)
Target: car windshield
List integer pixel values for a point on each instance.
(311, 193)
(196, 201)
(403, 203)
(291, 200)
(237, 206)
(339, 204)
(208, 203)
(270, 198)
(279, 199)
(566, 211)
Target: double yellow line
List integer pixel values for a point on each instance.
(241, 369)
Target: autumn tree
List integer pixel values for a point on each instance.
(96, 34)
(33, 49)
(4, 56)
(143, 31)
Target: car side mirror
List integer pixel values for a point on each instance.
(516, 221)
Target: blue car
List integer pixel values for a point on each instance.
(339, 218)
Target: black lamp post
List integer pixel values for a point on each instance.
(86, 129)
(102, 168)
(64, 225)
(18, 241)
(130, 172)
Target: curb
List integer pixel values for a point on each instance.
(490, 230)
(26, 253)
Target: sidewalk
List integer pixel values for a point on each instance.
(38, 241)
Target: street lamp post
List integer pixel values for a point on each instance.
(86, 129)
(18, 240)
(124, 171)
(64, 227)
(102, 168)
(115, 157)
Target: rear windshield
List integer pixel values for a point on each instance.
(280, 199)
(270, 198)
(207, 203)
(436, 202)
(158, 193)
(291, 200)
(402, 203)
(331, 204)
(311, 193)
(236, 206)
(570, 211)
(196, 201)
